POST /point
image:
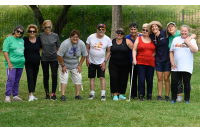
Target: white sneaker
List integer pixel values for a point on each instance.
(35, 98)
(179, 98)
(16, 98)
(7, 100)
(31, 98)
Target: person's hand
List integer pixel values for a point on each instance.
(186, 41)
(193, 36)
(103, 66)
(10, 66)
(88, 62)
(154, 54)
(173, 66)
(134, 62)
(9, 35)
(64, 69)
(79, 69)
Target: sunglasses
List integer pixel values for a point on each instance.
(119, 32)
(144, 30)
(30, 31)
(47, 27)
(20, 32)
(103, 29)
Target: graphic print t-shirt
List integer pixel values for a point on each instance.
(15, 48)
(183, 57)
(98, 48)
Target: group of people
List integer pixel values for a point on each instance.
(167, 51)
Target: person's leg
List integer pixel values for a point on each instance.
(45, 68)
(35, 72)
(54, 75)
(30, 76)
(175, 78)
(134, 87)
(10, 81)
(141, 71)
(63, 81)
(167, 82)
(149, 80)
(18, 75)
(101, 76)
(186, 82)
(160, 82)
(123, 79)
(92, 75)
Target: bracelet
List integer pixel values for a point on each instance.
(105, 61)
(62, 63)
(62, 66)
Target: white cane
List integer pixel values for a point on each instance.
(131, 81)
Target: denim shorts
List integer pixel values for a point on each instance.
(163, 66)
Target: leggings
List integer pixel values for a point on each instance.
(54, 74)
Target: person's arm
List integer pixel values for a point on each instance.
(134, 51)
(80, 64)
(10, 65)
(103, 65)
(171, 56)
(129, 44)
(64, 68)
(191, 46)
(87, 58)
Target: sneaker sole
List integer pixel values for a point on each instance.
(103, 99)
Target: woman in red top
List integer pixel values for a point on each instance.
(145, 61)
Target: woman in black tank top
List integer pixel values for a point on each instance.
(119, 65)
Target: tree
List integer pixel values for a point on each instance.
(60, 22)
(116, 19)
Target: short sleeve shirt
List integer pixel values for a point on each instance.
(67, 50)
(183, 57)
(15, 48)
(98, 48)
(162, 50)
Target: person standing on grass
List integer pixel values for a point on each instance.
(50, 45)
(162, 62)
(119, 65)
(145, 61)
(181, 58)
(133, 29)
(172, 32)
(97, 45)
(32, 56)
(68, 56)
(13, 49)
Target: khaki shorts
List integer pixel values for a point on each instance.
(75, 76)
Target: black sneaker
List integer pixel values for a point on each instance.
(133, 97)
(141, 98)
(159, 98)
(53, 97)
(149, 97)
(167, 98)
(91, 97)
(103, 98)
(47, 97)
(78, 97)
(62, 98)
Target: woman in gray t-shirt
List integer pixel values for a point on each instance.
(50, 44)
(68, 56)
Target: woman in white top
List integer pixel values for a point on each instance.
(181, 58)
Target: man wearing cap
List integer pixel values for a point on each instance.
(97, 45)
(133, 29)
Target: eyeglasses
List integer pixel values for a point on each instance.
(119, 32)
(47, 27)
(20, 32)
(144, 30)
(103, 29)
(30, 31)
(75, 37)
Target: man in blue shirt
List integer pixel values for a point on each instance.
(133, 28)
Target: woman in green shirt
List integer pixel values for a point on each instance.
(13, 49)
(172, 32)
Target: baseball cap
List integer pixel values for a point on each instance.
(171, 23)
(120, 29)
(101, 25)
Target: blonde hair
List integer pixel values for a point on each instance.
(47, 22)
(145, 25)
(186, 26)
(32, 26)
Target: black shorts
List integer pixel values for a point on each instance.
(92, 71)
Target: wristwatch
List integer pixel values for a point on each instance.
(63, 66)
(105, 61)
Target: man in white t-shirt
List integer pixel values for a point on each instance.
(97, 45)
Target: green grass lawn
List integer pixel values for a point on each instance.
(96, 113)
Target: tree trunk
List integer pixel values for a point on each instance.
(116, 19)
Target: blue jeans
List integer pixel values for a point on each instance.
(145, 72)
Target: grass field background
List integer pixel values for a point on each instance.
(96, 113)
